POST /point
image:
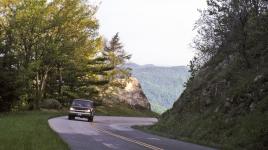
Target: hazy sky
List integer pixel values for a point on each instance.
(153, 31)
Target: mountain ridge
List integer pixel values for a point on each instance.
(162, 85)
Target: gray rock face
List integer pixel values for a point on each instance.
(132, 95)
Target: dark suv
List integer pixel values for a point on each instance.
(81, 108)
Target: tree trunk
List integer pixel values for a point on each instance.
(40, 88)
(60, 83)
(36, 99)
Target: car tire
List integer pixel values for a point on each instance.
(90, 119)
(70, 117)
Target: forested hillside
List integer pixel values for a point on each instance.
(225, 103)
(161, 85)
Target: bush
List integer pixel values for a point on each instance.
(51, 104)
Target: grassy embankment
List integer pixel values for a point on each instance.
(123, 111)
(29, 131)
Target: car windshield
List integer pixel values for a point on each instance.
(81, 103)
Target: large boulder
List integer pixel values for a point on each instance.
(131, 94)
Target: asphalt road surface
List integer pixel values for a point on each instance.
(114, 133)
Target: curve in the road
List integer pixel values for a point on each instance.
(108, 133)
(128, 139)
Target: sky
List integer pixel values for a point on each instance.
(155, 32)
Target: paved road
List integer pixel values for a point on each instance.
(114, 133)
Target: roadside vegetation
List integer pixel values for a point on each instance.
(126, 111)
(29, 131)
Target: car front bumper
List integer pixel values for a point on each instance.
(80, 114)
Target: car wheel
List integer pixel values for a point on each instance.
(70, 117)
(90, 119)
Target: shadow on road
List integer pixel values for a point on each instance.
(77, 119)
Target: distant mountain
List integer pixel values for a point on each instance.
(161, 85)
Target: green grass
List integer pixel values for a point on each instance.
(119, 110)
(29, 131)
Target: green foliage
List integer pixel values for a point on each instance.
(230, 27)
(49, 49)
(114, 55)
(123, 110)
(51, 104)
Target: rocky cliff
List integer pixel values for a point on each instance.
(131, 94)
(226, 106)
(225, 103)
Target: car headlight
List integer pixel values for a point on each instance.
(89, 110)
(71, 109)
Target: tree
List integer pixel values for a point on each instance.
(117, 56)
(43, 36)
(231, 27)
(51, 49)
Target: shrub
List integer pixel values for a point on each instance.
(51, 104)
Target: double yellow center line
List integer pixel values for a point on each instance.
(127, 139)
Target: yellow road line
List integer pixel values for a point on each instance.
(128, 139)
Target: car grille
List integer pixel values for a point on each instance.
(79, 111)
(80, 108)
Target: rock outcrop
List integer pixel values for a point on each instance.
(131, 94)
(224, 102)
